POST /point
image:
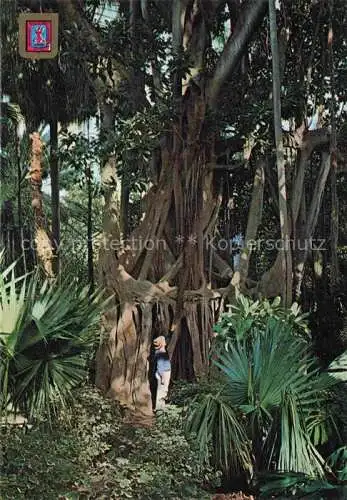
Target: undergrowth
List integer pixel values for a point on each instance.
(91, 454)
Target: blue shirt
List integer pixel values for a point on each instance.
(163, 363)
(237, 242)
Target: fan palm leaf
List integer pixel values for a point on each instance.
(215, 421)
(45, 333)
(276, 384)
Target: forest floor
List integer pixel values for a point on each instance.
(90, 453)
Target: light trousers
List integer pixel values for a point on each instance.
(162, 389)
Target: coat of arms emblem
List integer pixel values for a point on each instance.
(38, 36)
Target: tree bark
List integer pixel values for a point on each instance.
(307, 231)
(55, 192)
(124, 207)
(43, 242)
(19, 184)
(254, 220)
(282, 189)
(334, 227)
(181, 214)
(90, 230)
(253, 13)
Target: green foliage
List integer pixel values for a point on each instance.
(302, 486)
(45, 333)
(222, 437)
(138, 135)
(338, 367)
(182, 392)
(77, 154)
(91, 453)
(14, 156)
(275, 394)
(247, 317)
(74, 221)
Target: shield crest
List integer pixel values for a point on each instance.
(38, 36)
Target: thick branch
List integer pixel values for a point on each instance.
(235, 47)
(307, 231)
(171, 274)
(318, 194)
(222, 266)
(299, 184)
(254, 220)
(71, 12)
(310, 141)
(177, 36)
(227, 168)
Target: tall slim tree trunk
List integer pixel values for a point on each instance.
(55, 192)
(334, 226)
(282, 189)
(124, 207)
(43, 243)
(253, 223)
(310, 223)
(19, 185)
(90, 229)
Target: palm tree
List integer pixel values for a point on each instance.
(271, 412)
(46, 333)
(65, 93)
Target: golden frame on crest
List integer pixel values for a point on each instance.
(38, 35)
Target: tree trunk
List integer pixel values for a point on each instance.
(334, 227)
(286, 254)
(43, 243)
(90, 229)
(185, 188)
(309, 224)
(122, 357)
(179, 221)
(55, 192)
(254, 220)
(124, 208)
(19, 184)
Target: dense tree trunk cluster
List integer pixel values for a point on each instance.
(167, 277)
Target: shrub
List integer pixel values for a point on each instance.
(91, 453)
(273, 409)
(247, 317)
(303, 486)
(46, 333)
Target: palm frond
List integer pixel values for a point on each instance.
(214, 420)
(276, 384)
(338, 463)
(45, 333)
(297, 485)
(297, 453)
(338, 368)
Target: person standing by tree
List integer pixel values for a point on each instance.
(162, 371)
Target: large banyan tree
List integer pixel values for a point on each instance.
(170, 274)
